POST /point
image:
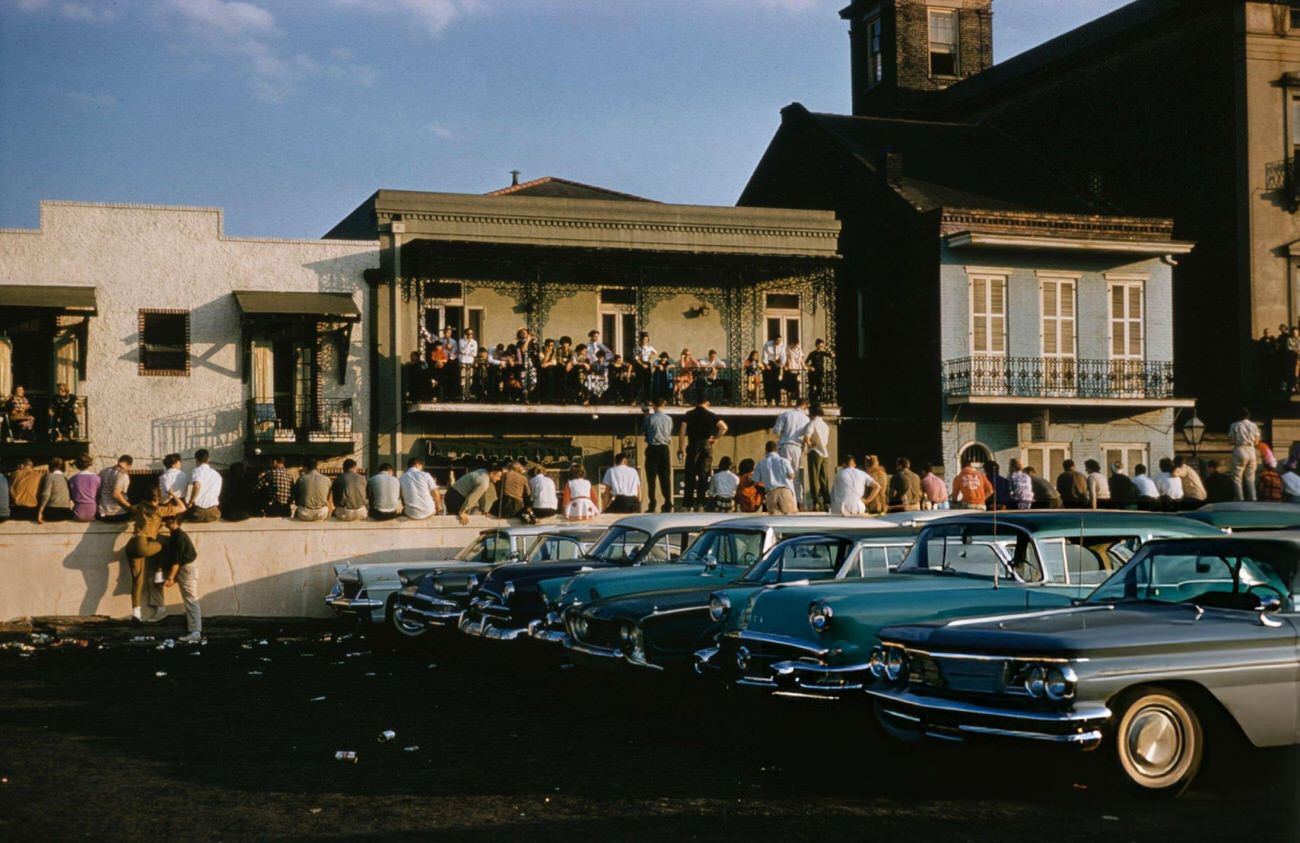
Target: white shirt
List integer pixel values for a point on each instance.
(793, 359)
(1145, 486)
(848, 490)
(418, 487)
(468, 350)
(713, 365)
(1244, 432)
(1291, 484)
(594, 348)
(543, 490)
(790, 426)
(773, 472)
(173, 481)
(622, 480)
(646, 353)
(774, 353)
(818, 444)
(1170, 486)
(449, 345)
(723, 485)
(209, 483)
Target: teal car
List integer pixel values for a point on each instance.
(663, 629)
(1248, 516)
(718, 555)
(817, 639)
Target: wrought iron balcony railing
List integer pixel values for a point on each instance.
(1057, 377)
(44, 418)
(302, 421)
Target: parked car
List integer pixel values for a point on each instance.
(431, 599)
(816, 639)
(1190, 636)
(368, 592)
(659, 629)
(719, 554)
(510, 597)
(1248, 516)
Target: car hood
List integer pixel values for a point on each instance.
(419, 569)
(635, 607)
(528, 576)
(1092, 629)
(615, 582)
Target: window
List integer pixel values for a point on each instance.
(1295, 126)
(781, 317)
(988, 315)
(1126, 455)
(1048, 459)
(1126, 320)
(875, 62)
(618, 320)
(943, 42)
(165, 342)
(1058, 317)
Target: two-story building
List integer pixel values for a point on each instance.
(551, 260)
(174, 337)
(990, 309)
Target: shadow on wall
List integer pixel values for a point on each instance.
(92, 557)
(212, 428)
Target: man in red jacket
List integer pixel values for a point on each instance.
(970, 488)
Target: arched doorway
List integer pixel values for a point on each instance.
(977, 453)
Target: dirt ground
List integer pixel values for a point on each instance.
(124, 739)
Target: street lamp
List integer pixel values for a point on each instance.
(1194, 432)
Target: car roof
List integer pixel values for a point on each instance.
(1065, 521)
(1247, 514)
(813, 521)
(652, 522)
(858, 534)
(542, 530)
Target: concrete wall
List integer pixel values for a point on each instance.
(161, 257)
(262, 567)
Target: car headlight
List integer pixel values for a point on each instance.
(895, 662)
(1060, 682)
(636, 639)
(1035, 678)
(580, 626)
(508, 590)
(625, 633)
(742, 659)
(438, 587)
(719, 606)
(876, 662)
(819, 616)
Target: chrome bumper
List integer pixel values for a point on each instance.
(483, 628)
(608, 656)
(429, 614)
(546, 631)
(808, 678)
(353, 605)
(943, 718)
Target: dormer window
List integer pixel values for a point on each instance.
(943, 42)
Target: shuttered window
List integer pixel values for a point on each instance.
(1058, 317)
(988, 314)
(1126, 326)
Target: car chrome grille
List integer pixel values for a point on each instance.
(603, 633)
(351, 589)
(969, 675)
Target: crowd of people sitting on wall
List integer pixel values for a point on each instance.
(1279, 358)
(21, 421)
(549, 371)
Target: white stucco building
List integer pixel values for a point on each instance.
(176, 337)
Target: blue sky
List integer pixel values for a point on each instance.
(289, 113)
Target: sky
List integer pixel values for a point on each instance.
(289, 113)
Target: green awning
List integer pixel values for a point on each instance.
(61, 298)
(331, 306)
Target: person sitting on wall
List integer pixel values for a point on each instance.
(469, 493)
(311, 493)
(273, 491)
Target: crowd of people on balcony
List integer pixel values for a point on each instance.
(20, 421)
(529, 370)
(1279, 358)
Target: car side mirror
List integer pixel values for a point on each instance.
(1076, 601)
(710, 563)
(1269, 605)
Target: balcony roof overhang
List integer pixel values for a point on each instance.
(337, 307)
(1002, 240)
(1070, 401)
(596, 410)
(63, 299)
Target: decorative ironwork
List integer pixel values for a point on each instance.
(1057, 377)
(302, 420)
(51, 421)
(1281, 178)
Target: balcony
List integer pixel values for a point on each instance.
(995, 379)
(60, 434)
(300, 427)
(506, 389)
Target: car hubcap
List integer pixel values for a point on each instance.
(1155, 741)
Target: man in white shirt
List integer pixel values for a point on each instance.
(789, 429)
(622, 486)
(849, 492)
(545, 500)
(384, 491)
(1169, 487)
(205, 489)
(817, 436)
(773, 361)
(172, 484)
(643, 362)
(793, 369)
(1244, 435)
(776, 476)
(419, 491)
(1144, 487)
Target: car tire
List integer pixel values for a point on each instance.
(403, 629)
(1157, 741)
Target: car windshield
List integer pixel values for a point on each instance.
(490, 547)
(666, 547)
(555, 548)
(1086, 560)
(876, 559)
(799, 560)
(619, 544)
(974, 551)
(1231, 579)
(726, 547)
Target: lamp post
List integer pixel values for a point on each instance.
(1194, 432)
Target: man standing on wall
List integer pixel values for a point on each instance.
(658, 430)
(789, 430)
(775, 474)
(1244, 436)
(817, 438)
(205, 490)
(701, 427)
(773, 362)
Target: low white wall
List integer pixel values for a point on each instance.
(263, 567)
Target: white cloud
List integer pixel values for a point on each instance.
(228, 17)
(441, 131)
(86, 13)
(98, 100)
(433, 15)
